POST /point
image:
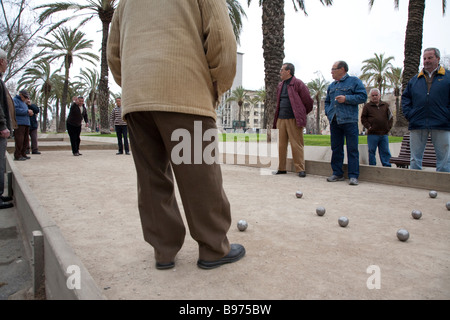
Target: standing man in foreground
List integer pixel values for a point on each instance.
(173, 60)
(6, 124)
(341, 107)
(426, 105)
(294, 102)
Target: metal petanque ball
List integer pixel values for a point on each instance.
(416, 214)
(320, 211)
(433, 194)
(448, 205)
(343, 221)
(402, 234)
(242, 225)
(299, 194)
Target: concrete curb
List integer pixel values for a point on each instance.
(65, 276)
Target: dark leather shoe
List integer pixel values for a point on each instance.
(5, 205)
(302, 174)
(26, 157)
(6, 199)
(165, 266)
(280, 172)
(21, 159)
(76, 154)
(127, 153)
(36, 152)
(119, 153)
(236, 253)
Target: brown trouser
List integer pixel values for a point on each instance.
(204, 201)
(288, 131)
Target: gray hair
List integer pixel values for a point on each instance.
(437, 53)
(3, 54)
(374, 89)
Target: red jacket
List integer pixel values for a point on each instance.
(301, 101)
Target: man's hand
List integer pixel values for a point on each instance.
(340, 99)
(5, 133)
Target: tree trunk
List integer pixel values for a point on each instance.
(318, 116)
(413, 52)
(273, 52)
(103, 89)
(62, 118)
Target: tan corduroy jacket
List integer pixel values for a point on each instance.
(170, 55)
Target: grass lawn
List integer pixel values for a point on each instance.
(309, 139)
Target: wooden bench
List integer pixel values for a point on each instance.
(404, 157)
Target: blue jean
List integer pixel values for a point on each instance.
(382, 143)
(339, 134)
(441, 142)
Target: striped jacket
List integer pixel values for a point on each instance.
(116, 117)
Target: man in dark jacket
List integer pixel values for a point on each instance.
(294, 102)
(426, 105)
(5, 129)
(77, 113)
(33, 128)
(377, 118)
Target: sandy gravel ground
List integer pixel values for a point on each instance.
(292, 253)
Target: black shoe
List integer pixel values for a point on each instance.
(279, 172)
(5, 205)
(36, 152)
(236, 253)
(26, 157)
(27, 152)
(76, 154)
(119, 153)
(302, 174)
(127, 153)
(165, 266)
(20, 159)
(6, 199)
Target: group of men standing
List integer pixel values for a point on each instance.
(425, 104)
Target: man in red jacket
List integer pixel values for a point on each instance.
(294, 102)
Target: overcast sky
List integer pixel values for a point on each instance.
(345, 31)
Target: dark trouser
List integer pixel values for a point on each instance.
(200, 186)
(340, 134)
(74, 134)
(34, 141)
(122, 131)
(21, 141)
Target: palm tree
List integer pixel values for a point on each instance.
(273, 49)
(39, 76)
(235, 11)
(238, 95)
(395, 76)
(67, 44)
(89, 80)
(318, 89)
(413, 49)
(103, 9)
(375, 70)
